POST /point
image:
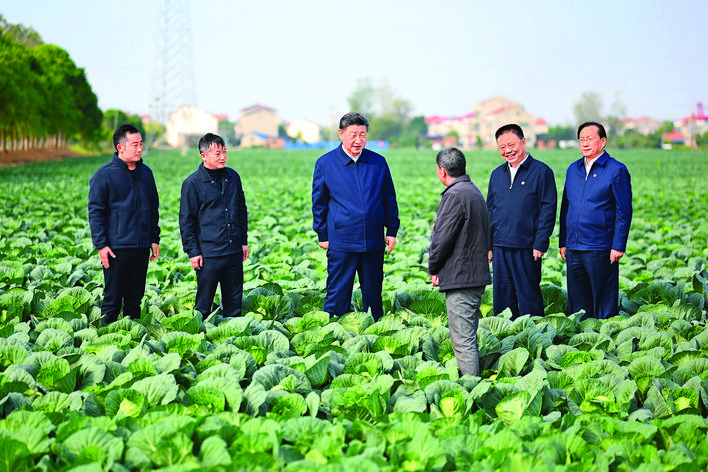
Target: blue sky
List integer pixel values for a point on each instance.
(304, 58)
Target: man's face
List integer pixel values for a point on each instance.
(511, 148)
(215, 157)
(591, 145)
(131, 148)
(353, 139)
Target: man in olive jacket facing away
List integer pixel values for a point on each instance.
(213, 221)
(457, 260)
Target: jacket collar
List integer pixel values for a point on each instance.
(121, 163)
(345, 159)
(462, 178)
(601, 160)
(206, 177)
(526, 164)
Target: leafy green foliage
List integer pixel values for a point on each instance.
(285, 387)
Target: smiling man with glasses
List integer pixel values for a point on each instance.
(596, 212)
(522, 201)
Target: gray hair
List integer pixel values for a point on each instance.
(453, 161)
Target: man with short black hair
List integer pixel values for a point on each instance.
(596, 213)
(123, 210)
(522, 201)
(355, 216)
(457, 260)
(213, 222)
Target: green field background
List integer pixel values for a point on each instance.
(670, 201)
(286, 388)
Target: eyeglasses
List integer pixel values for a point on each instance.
(587, 140)
(510, 147)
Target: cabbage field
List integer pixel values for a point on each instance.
(286, 388)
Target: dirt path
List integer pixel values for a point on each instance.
(19, 158)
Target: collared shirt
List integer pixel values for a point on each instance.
(588, 165)
(352, 157)
(514, 170)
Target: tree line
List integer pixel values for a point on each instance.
(45, 99)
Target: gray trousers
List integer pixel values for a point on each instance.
(463, 319)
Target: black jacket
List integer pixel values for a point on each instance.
(460, 242)
(213, 221)
(123, 206)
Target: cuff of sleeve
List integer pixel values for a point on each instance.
(322, 237)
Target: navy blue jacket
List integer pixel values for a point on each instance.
(352, 202)
(460, 240)
(522, 215)
(123, 207)
(596, 211)
(213, 221)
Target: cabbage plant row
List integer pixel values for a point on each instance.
(287, 388)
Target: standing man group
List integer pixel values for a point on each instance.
(213, 222)
(596, 212)
(457, 260)
(355, 216)
(123, 217)
(522, 201)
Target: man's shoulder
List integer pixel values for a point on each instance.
(540, 167)
(329, 156)
(372, 155)
(611, 161)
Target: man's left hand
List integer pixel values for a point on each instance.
(537, 254)
(435, 279)
(390, 242)
(155, 251)
(246, 252)
(615, 256)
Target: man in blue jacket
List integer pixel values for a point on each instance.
(213, 222)
(123, 216)
(522, 201)
(353, 201)
(596, 212)
(458, 256)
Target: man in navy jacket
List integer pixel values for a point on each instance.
(596, 212)
(353, 201)
(522, 201)
(123, 216)
(213, 222)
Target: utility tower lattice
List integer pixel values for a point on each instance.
(173, 84)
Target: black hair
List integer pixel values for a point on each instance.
(122, 132)
(207, 140)
(510, 128)
(600, 129)
(356, 119)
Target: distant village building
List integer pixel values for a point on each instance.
(303, 130)
(249, 140)
(692, 125)
(187, 124)
(257, 119)
(643, 125)
(477, 128)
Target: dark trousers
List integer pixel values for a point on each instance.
(593, 283)
(341, 268)
(516, 281)
(125, 283)
(224, 270)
